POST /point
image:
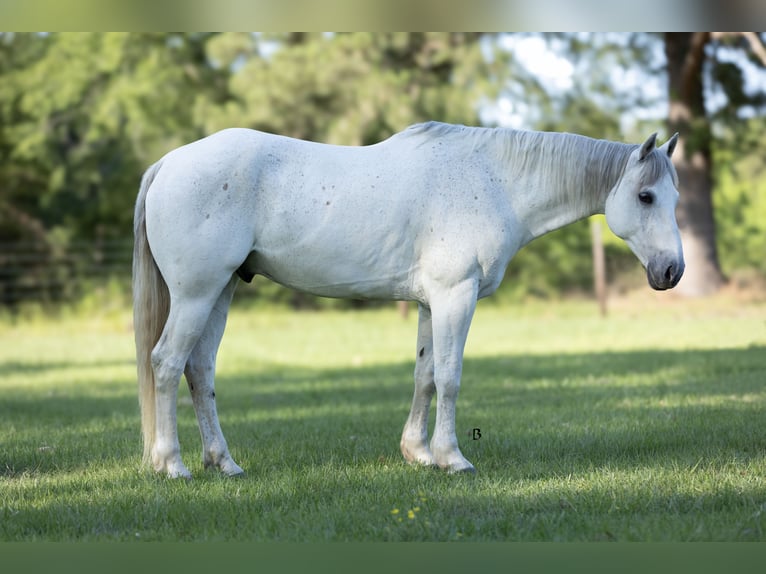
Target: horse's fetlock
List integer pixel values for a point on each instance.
(166, 459)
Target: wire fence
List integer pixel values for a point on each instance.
(44, 273)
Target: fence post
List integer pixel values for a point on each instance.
(599, 265)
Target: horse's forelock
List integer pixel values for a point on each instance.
(656, 165)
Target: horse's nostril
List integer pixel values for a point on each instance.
(669, 273)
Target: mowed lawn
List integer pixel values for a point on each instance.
(649, 425)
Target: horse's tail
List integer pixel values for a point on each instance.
(151, 305)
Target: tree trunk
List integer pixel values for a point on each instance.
(686, 55)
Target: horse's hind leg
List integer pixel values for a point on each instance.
(186, 323)
(200, 375)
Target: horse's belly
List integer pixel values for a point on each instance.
(343, 273)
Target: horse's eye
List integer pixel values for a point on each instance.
(646, 197)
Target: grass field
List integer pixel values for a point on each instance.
(647, 425)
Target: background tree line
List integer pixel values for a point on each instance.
(82, 115)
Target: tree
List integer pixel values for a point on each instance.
(687, 115)
(350, 88)
(81, 116)
(691, 57)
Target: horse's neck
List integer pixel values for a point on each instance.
(557, 179)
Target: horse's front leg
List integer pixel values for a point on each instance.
(414, 443)
(452, 310)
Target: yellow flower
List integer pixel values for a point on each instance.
(416, 509)
(410, 514)
(395, 511)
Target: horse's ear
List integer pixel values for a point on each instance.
(670, 145)
(647, 147)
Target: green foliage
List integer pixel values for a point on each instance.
(740, 197)
(84, 118)
(83, 114)
(551, 264)
(351, 89)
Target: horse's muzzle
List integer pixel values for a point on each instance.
(664, 272)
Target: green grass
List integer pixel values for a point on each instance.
(648, 425)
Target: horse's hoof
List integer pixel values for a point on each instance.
(234, 474)
(454, 463)
(174, 470)
(423, 459)
(465, 471)
(462, 467)
(184, 474)
(422, 464)
(231, 468)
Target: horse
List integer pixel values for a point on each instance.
(432, 214)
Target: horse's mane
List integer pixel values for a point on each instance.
(575, 162)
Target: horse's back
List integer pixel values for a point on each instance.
(331, 220)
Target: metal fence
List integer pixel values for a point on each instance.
(43, 273)
(40, 273)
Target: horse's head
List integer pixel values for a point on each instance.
(641, 210)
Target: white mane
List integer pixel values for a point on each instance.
(577, 165)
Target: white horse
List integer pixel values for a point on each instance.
(433, 214)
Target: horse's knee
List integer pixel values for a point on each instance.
(424, 386)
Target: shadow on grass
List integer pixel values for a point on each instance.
(545, 414)
(541, 414)
(14, 368)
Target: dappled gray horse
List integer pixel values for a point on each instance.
(433, 214)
